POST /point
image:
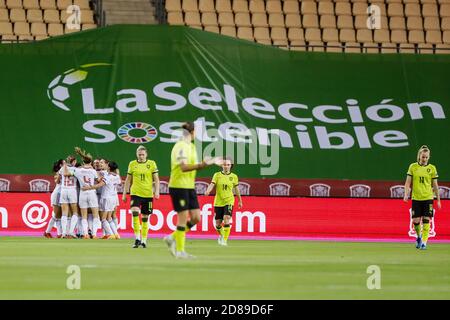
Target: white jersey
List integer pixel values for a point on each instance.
(56, 195)
(101, 173)
(86, 177)
(111, 183)
(68, 182)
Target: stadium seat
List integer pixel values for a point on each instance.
(34, 15)
(407, 48)
(347, 35)
(279, 36)
(87, 16)
(83, 4)
(446, 37)
(325, 8)
(293, 20)
(262, 35)
(412, 10)
(9, 37)
(6, 28)
(310, 21)
(245, 33)
(259, 20)
(430, 10)
(395, 10)
(330, 35)
(88, 26)
(276, 20)
(397, 23)
(334, 47)
(399, 36)
(17, 15)
(38, 38)
(189, 6)
(414, 23)
(30, 4)
(242, 19)
(345, 22)
(228, 31)
(308, 7)
(442, 49)
(364, 35)
(300, 46)
(296, 36)
(352, 47)
(47, 4)
(14, 4)
(444, 10)
(4, 16)
(431, 23)
(433, 37)
(313, 34)
(38, 29)
(359, 9)
(63, 4)
(51, 16)
(192, 18)
(445, 24)
(388, 48)
(291, 6)
(327, 21)
(206, 6)
(226, 19)
(240, 6)
(209, 19)
(223, 6)
(381, 35)
(316, 46)
(175, 18)
(416, 36)
(425, 48)
(2, 4)
(173, 5)
(55, 29)
(257, 6)
(214, 29)
(21, 29)
(343, 8)
(273, 6)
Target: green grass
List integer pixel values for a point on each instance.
(35, 268)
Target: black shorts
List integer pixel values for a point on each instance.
(222, 211)
(422, 208)
(183, 199)
(145, 204)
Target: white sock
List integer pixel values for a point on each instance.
(116, 222)
(84, 223)
(80, 227)
(69, 219)
(58, 227)
(113, 227)
(64, 225)
(73, 224)
(107, 228)
(96, 224)
(90, 222)
(50, 225)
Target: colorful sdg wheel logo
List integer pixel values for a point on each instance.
(137, 132)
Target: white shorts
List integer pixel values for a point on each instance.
(54, 198)
(68, 196)
(108, 203)
(88, 200)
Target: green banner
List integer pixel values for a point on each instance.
(337, 116)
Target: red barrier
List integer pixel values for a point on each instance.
(261, 217)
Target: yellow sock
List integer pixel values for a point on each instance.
(220, 231)
(144, 230)
(180, 238)
(417, 228)
(426, 232)
(226, 231)
(136, 227)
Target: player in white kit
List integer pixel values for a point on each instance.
(68, 197)
(54, 198)
(87, 176)
(109, 199)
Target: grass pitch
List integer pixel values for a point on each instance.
(36, 268)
